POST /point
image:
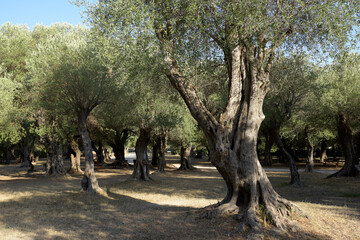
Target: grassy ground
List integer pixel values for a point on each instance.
(36, 207)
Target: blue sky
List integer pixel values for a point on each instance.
(46, 12)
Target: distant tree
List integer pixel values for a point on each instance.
(71, 80)
(338, 98)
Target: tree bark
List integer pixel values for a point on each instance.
(345, 137)
(55, 162)
(310, 158)
(232, 139)
(75, 159)
(295, 176)
(156, 150)
(323, 156)
(163, 146)
(185, 160)
(99, 153)
(89, 182)
(142, 165)
(269, 141)
(118, 147)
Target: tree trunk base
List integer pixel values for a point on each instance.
(272, 211)
(75, 171)
(343, 172)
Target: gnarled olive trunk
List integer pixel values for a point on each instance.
(156, 150)
(142, 165)
(118, 147)
(323, 156)
(185, 160)
(75, 159)
(232, 138)
(345, 138)
(55, 160)
(163, 146)
(295, 176)
(89, 182)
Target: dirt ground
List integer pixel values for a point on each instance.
(33, 206)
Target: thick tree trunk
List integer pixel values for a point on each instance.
(156, 150)
(232, 139)
(55, 161)
(295, 176)
(142, 165)
(163, 146)
(269, 141)
(345, 138)
(323, 156)
(119, 148)
(75, 159)
(89, 182)
(185, 160)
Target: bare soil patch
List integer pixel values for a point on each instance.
(36, 207)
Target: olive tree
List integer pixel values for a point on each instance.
(245, 34)
(72, 80)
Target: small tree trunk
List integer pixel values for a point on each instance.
(269, 141)
(295, 176)
(142, 165)
(89, 182)
(163, 144)
(75, 159)
(119, 148)
(185, 159)
(99, 153)
(323, 156)
(156, 150)
(310, 158)
(345, 138)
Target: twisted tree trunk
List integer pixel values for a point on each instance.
(75, 159)
(142, 165)
(118, 147)
(323, 156)
(310, 158)
(345, 137)
(185, 160)
(295, 176)
(55, 161)
(156, 150)
(89, 182)
(163, 146)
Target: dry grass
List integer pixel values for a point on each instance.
(35, 207)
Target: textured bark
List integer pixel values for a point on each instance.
(163, 146)
(156, 150)
(89, 182)
(75, 159)
(232, 139)
(185, 160)
(142, 165)
(345, 138)
(323, 156)
(55, 161)
(118, 147)
(269, 141)
(295, 176)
